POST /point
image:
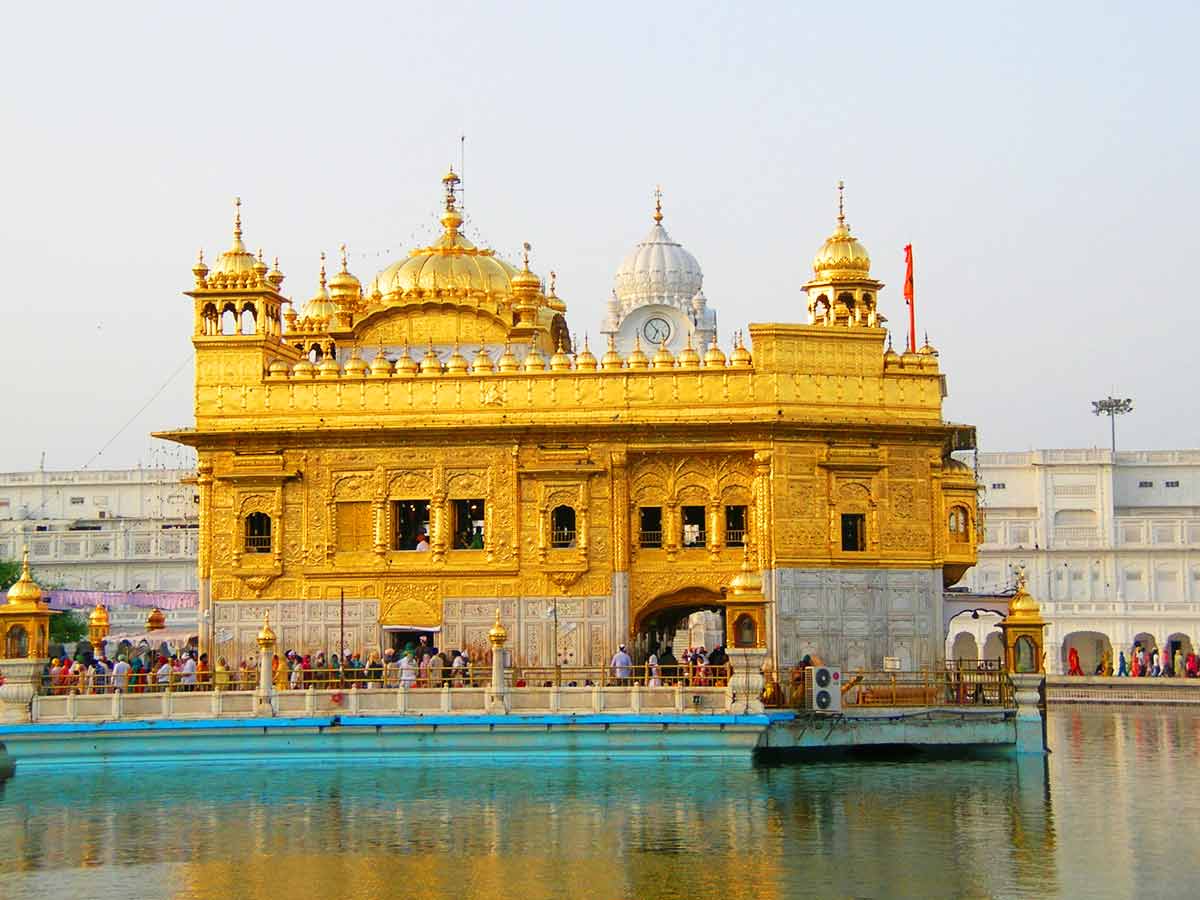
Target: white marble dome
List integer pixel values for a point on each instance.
(658, 270)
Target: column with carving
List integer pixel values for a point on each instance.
(622, 516)
(204, 482)
(670, 528)
(762, 500)
(438, 540)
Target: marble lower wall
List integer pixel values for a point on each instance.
(853, 618)
(584, 628)
(305, 626)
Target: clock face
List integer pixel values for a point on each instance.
(656, 330)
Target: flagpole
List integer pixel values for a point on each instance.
(909, 297)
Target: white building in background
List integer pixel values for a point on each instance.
(658, 298)
(1112, 552)
(126, 530)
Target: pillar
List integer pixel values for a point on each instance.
(497, 695)
(266, 651)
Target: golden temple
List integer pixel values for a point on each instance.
(412, 455)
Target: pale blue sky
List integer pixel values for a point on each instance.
(1042, 158)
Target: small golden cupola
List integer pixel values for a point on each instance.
(344, 289)
(842, 291)
(25, 618)
(236, 266)
(320, 307)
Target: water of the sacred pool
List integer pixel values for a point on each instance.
(1111, 812)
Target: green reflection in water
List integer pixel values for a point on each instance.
(558, 828)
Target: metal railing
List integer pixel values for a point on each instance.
(972, 685)
(620, 676)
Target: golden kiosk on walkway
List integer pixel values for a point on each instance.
(1023, 629)
(25, 619)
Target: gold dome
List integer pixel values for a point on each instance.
(25, 593)
(552, 300)
(585, 361)
(714, 356)
(304, 369)
(637, 359)
(329, 367)
(457, 363)
(508, 361)
(98, 618)
(343, 286)
(450, 263)
(842, 255)
(663, 359)
(482, 364)
(320, 305)
(355, 367)
(740, 358)
(405, 364)
(381, 366)
(156, 620)
(612, 359)
(746, 581)
(266, 634)
(497, 634)
(279, 369)
(431, 364)
(1022, 607)
(560, 361)
(237, 260)
(688, 357)
(534, 361)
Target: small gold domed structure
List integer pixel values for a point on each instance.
(329, 367)
(747, 580)
(560, 361)
(637, 358)
(304, 369)
(457, 363)
(482, 364)
(25, 594)
(25, 618)
(381, 366)
(320, 306)
(279, 369)
(431, 364)
(663, 359)
(237, 261)
(714, 356)
(688, 357)
(534, 361)
(406, 366)
(156, 620)
(740, 358)
(585, 360)
(266, 634)
(344, 288)
(508, 361)
(611, 361)
(355, 366)
(497, 634)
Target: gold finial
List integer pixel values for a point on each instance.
(342, 248)
(553, 279)
(586, 348)
(322, 269)
(525, 254)
(658, 204)
(497, 634)
(451, 182)
(200, 257)
(841, 203)
(237, 219)
(612, 341)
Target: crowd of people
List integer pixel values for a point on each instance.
(1142, 662)
(417, 665)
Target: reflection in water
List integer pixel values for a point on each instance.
(645, 830)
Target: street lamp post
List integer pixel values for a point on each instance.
(1112, 407)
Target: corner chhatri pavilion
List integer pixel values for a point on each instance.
(417, 453)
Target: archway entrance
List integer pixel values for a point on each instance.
(663, 619)
(964, 648)
(1093, 648)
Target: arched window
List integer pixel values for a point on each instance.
(314, 354)
(258, 533)
(211, 321)
(249, 325)
(16, 643)
(959, 523)
(229, 320)
(848, 299)
(562, 527)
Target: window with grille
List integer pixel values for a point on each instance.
(562, 527)
(693, 526)
(735, 526)
(258, 533)
(854, 532)
(650, 526)
(468, 524)
(410, 524)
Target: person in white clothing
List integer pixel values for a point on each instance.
(652, 665)
(622, 665)
(408, 671)
(163, 675)
(120, 675)
(187, 672)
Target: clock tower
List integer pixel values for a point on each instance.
(657, 298)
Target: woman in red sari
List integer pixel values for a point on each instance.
(1073, 667)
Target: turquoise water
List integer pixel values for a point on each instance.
(1109, 814)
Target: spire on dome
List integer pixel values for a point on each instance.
(658, 215)
(841, 204)
(237, 225)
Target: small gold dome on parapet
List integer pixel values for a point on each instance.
(431, 364)
(552, 300)
(585, 361)
(304, 369)
(329, 368)
(278, 369)
(891, 357)
(560, 361)
(406, 366)
(320, 307)
(156, 621)
(275, 276)
(508, 361)
(714, 356)
(260, 266)
(482, 364)
(25, 592)
(663, 359)
(534, 361)
(637, 359)
(612, 359)
(740, 359)
(266, 634)
(688, 357)
(497, 634)
(200, 270)
(355, 366)
(381, 366)
(457, 363)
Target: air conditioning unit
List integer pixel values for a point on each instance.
(823, 689)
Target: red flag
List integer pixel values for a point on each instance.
(908, 298)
